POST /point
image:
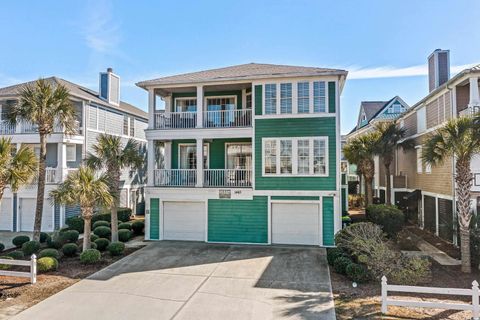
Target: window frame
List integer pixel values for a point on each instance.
(418, 150)
(184, 98)
(277, 94)
(286, 98)
(74, 146)
(179, 161)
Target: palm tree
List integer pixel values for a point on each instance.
(459, 139)
(17, 168)
(110, 155)
(360, 151)
(44, 105)
(84, 188)
(390, 135)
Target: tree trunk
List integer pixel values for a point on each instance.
(40, 188)
(115, 204)
(464, 179)
(368, 191)
(388, 198)
(87, 231)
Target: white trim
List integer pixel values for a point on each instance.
(298, 115)
(195, 145)
(205, 99)
(269, 219)
(235, 143)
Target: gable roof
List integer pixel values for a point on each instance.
(242, 72)
(79, 92)
(372, 108)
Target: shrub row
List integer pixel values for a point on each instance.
(343, 264)
(390, 218)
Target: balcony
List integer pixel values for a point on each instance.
(7, 128)
(212, 178)
(239, 118)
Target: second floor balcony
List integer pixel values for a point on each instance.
(212, 178)
(238, 118)
(7, 128)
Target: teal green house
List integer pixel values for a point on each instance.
(245, 154)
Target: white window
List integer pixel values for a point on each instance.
(303, 94)
(419, 160)
(285, 98)
(319, 100)
(71, 152)
(295, 156)
(185, 104)
(421, 120)
(270, 99)
(188, 156)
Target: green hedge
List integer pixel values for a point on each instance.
(30, 247)
(17, 255)
(102, 232)
(49, 252)
(138, 226)
(390, 218)
(90, 256)
(116, 248)
(102, 244)
(75, 223)
(124, 235)
(123, 215)
(100, 223)
(70, 249)
(18, 241)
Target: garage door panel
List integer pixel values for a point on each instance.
(27, 215)
(295, 223)
(184, 221)
(6, 214)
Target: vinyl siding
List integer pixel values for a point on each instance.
(154, 219)
(327, 221)
(295, 127)
(410, 124)
(331, 97)
(462, 97)
(258, 100)
(238, 220)
(344, 199)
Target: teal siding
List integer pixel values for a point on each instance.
(258, 100)
(296, 127)
(327, 220)
(312, 198)
(344, 200)
(154, 218)
(175, 160)
(331, 97)
(238, 220)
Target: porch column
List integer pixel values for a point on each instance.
(62, 168)
(199, 107)
(168, 155)
(168, 104)
(474, 95)
(150, 163)
(151, 108)
(199, 163)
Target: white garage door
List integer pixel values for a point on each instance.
(27, 215)
(296, 223)
(184, 221)
(6, 214)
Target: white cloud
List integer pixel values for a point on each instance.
(100, 30)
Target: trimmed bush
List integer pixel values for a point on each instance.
(75, 223)
(43, 237)
(70, 236)
(102, 244)
(46, 264)
(52, 253)
(125, 225)
(93, 245)
(138, 226)
(116, 248)
(5, 266)
(357, 272)
(70, 249)
(17, 255)
(100, 223)
(2, 247)
(340, 264)
(123, 215)
(93, 237)
(390, 218)
(102, 232)
(124, 235)
(31, 247)
(18, 241)
(55, 242)
(333, 254)
(90, 256)
(64, 229)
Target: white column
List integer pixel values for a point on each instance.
(61, 161)
(150, 162)
(199, 107)
(151, 108)
(474, 95)
(168, 104)
(168, 155)
(199, 162)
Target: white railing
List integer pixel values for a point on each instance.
(175, 177)
(469, 111)
(7, 128)
(473, 292)
(51, 175)
(227, 178)
(28, 127)
(32, 274)
(227, 118)
(175, 120)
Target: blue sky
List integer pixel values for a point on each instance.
(383, 44)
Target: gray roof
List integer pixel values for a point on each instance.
(371, 108)
(242, 72)
(79, 92)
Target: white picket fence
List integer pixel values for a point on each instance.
(473, 292)
(32, 264)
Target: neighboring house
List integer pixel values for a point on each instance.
(245, 154)
(95, 114)
(371, 113)
(429, 191)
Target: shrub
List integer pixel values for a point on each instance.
(43, 237)
(125, 225)
(93, 237)
(410, 270)
(116, 248)
(55, 241)
(70, 236)
(31, 247)
(124, 235)
(17, 255)
(334, 253)
(90, 256)
(102, 244)
(340, 264)
(47, 264)
(2, 247)
(123, 215)
(357, 272)
(5, 266)
(75, 223)
(18, 241)
(102, 232)
(138, 226)
(52, 253)
(63, 229)
(70, 249)
(93, 245)
(390, 218)
(100, 223)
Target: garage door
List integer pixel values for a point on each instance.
(184, 221)
(27, 215)
(6, 214)
(296, 223)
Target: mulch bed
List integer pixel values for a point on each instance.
(447, 247)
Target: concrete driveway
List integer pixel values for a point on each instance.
(179, 280)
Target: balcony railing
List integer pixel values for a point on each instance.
(469, 111)
(175, 120)
(51, 175)
(27, 127)
(6, 128)
(236, 178)
(175, 177)
(227, 118)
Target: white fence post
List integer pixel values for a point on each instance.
(384, 294)
(33, 269)
(475, 306)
